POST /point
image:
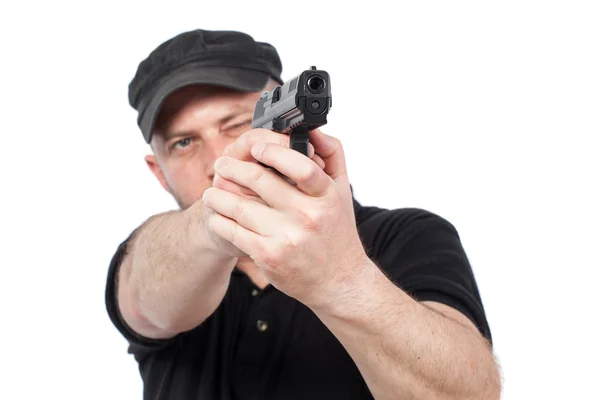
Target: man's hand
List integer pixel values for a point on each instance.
(240, 149)
(303, 237)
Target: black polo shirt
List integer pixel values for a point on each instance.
(266, 345)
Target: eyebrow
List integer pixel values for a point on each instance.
(236, 112)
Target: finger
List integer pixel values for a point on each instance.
(319, 161)
(307, 175)
(240, 149)
(270, 187)
(221, 183)
(242, 238)
(331, 151)
(250, 214)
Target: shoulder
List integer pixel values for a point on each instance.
(421, 252)
(371, 216)
(381, 228)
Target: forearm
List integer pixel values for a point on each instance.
(176, 276)
(405, 350)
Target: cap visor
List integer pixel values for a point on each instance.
(232, 78)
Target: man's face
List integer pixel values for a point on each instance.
(195, 126)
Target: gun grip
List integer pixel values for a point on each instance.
(299, 141)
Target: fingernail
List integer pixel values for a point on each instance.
(257, 149)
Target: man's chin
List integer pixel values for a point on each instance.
(181, 202)
(182, 205)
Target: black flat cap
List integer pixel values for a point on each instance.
(225, 58)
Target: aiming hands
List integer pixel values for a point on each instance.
(304, 237)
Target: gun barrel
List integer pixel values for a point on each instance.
(316, 84)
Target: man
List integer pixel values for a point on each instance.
(258, 289)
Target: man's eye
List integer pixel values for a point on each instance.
(245, 123)
(182, 142)
(240, 128)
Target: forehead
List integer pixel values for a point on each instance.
(203, 102)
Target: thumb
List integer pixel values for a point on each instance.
(331, 151)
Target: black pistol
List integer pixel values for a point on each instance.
(295, 108)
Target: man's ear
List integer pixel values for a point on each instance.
(156, 170)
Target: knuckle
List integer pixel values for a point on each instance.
(293, 241)
(262, 132)
(206, 218)
(272, 258)
(257, 174)
(232, 234)
(218, 182)
(319, 161)
(269, 136)
(309, 173)
(253, 137)
(309, 221)
(238, 209)
(244, 140)
(278, 252)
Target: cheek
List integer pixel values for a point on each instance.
(188, 180)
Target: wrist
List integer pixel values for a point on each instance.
(201, 237)
(365, 300)
(354, 293)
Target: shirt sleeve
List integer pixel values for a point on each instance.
(138, 344)
(422, 254)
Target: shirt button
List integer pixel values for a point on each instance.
(261, 325)
(254, 292)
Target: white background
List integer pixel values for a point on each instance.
(486, 113)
